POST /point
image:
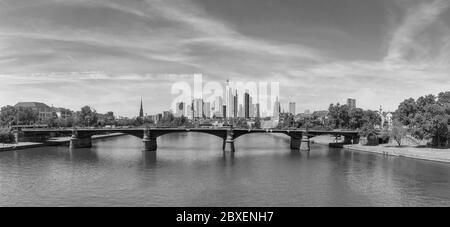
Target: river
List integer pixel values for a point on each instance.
(191, 170)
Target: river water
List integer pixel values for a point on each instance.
(191, 170)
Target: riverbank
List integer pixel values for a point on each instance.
(408, 151)
(58, 141)
(422, 153)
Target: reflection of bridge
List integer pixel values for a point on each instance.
(82, 138)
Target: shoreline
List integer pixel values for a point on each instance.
(406, 151)
(425, 154)
(58, 141)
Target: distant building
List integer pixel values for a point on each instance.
(276, 108)
(44, 111)
(292, 108)
(63, 113)
(218, 107)
(247, 105)
(236, 104)
(307, 111)
(207, 109)
(167, 114)
(322, 115)
(351, 103)
(141, 111)
(241, 111)
(224, 115)
(180, 111)
(189, 111)
(258, 114)
(198, 108)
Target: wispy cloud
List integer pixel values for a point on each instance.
(405, 43)
(133, 47)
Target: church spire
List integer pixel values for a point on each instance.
(141, 111)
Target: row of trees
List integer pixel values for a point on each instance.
(427, 118)
(10, 115)
(344, 117)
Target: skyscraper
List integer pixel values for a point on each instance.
(180, 111)
(236, 103)
(207, 109)
(258, 114)
(276, 108)
(198, 108)
(229, 100)
(218, 107)
(292, 109)
(224, 111)
(247, 105)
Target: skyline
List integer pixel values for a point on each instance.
(108, 54)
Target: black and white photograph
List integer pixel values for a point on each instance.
(232, 104)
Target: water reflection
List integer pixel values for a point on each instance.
(192, 170)
(149, 159)
(83, 155)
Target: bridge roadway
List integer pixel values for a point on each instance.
(81, 137)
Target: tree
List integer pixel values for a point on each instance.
(87, 116)
(427, 118)
(22, 115)
(356, 118)
(8, 115)
(371, 118)
(397, 132)
(406, 111)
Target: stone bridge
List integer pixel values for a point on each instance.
(81, 137)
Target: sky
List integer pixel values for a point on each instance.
(108, 54)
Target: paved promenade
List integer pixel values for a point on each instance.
(423, 153)
(53, 141)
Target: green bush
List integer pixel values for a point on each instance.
(6, 137)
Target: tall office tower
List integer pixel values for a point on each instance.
(230, 102)
(207, 109)
(241, 112)
(276, 108)
(188, 111)
(292, 108)
(246, 105)
(224, 111)
(198, 108)
(258, 114)
(351, 103)
(236, 103)
(180, 109)
(218, 107)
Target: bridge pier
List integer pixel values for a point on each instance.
(76, 142)
(305, 144)
(150, 143)
(295, 143)
(229, 142)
